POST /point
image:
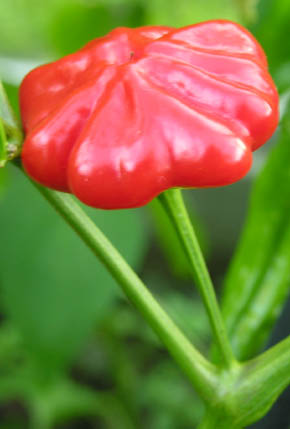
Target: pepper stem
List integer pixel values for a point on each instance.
(213, 421)
(173, 204)
(203, 374)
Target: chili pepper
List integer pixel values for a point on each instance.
(142, 110)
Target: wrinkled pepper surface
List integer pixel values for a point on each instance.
(142, 110)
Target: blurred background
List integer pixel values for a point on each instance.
(73, 353)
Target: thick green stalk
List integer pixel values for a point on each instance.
(261, 382)
(249, 394)
(214, 421)
(173, 203)
(202, 373)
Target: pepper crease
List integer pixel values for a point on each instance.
(142, 110)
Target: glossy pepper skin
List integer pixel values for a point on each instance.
(142, 110)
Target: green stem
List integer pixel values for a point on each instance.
(201, 372)
(173, 203)
(262, 380)
(214, 421)
(250, 393)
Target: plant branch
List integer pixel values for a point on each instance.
(201, 372)
(173, 204)
(214, 421)
(262, 380)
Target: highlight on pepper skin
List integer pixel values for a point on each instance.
(142, 110)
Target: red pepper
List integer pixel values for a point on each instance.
(143, 110)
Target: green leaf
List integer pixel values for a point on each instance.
(6, 112)
(274, 15)
(53, 288)
(257, 283)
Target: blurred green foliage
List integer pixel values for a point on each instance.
(263, 274)
(70, 346)
(53, 288)
(186, 12)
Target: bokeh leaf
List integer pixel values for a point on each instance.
(53, 287)
(61, 26)
(187, 313)
(276, 43)
(23, 26)
(272, 31)
(186, 12)
(248, 9)
(165, 389)
(258, 281)
(90, 20)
